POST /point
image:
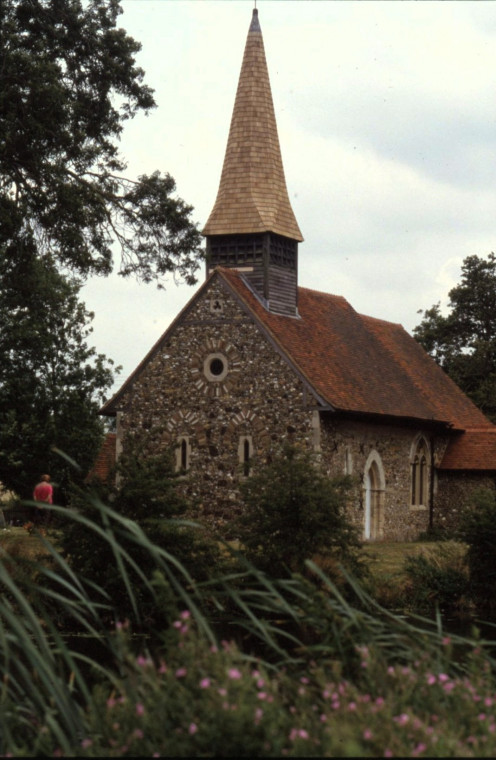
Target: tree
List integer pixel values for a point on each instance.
(478, 530)
(145, 492)
(51, 382)
(68, 83)
(464, 341)
(292, 512)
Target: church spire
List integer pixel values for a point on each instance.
(252, 194)
(252, 219)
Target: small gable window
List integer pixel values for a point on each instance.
(215, 367)
(183, 453)
(245, 454)
(420, 474)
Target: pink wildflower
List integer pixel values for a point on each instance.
(402, 719)
(185, 615)
(86, 743)
(205, 683)
(418, 749)
(181, 672)
(367, 734)
(262, 695)
(443, 678)
(193, 728)
(138, 733)
(352, 706)
(235, 674)
(140, 709)
(110, 702)
(298, 733)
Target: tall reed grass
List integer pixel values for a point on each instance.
(302, 636)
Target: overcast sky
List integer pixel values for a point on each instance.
(387, 122)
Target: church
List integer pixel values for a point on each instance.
(254, 361)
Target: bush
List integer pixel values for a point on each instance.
(436, 579)
(478, 530)
(292, 512)
(146, 494)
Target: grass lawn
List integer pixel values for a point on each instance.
(385, 560)
(16, 541)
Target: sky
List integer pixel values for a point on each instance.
(386, 114)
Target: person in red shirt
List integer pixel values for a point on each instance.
(43, 492)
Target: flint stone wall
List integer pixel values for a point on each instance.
(260, 397)
(455, 492)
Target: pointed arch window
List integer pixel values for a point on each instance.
(420, 473)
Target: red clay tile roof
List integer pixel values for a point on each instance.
(360, 364)
(105, 461)
(471, 450)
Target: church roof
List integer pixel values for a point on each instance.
(252, 196)
(358, 364)
(472, 450)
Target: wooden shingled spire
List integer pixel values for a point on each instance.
(252, 194)
(252, 225)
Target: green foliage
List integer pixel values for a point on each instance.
(51, 381)
(370, 683)
(69, 84)
(436, 580)
(292, 512)
(478, 530)
(213, 703)
(146, 493)
(464, 341)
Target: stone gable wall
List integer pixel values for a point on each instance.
(260, 397)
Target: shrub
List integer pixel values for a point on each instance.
(292, 512)
(146, 494)
(478, 530)
(436, 579)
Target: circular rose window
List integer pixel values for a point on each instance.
(215, 367)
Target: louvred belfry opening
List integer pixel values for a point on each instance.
(252, 226)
